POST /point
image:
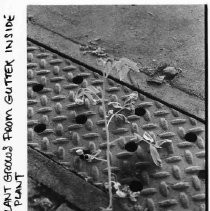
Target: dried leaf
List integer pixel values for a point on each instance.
(122, 67)
(157, 80)
(155, 156)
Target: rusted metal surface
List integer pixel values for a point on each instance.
(178, 185)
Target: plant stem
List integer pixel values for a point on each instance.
(99, 159)
(107, 139)
(114, 115)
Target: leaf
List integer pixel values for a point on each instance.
(79, 93)
(148, 137)
(121, 194)
(79, 101)
(122, 118)
(108, 67)
(90, 97)
(115, 104)
(156, 80)
(123, 72)
(116, 185)
(123, 66)
(155, 156)
(139, 138)
(132, 65)
(93, 89)
(130, 99)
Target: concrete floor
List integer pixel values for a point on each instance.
(148, 35)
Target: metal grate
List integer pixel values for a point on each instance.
(53, 129)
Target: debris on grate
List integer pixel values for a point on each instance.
(160, 74)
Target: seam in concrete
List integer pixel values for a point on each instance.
(61, 35)
(178, 97)
(134, 86)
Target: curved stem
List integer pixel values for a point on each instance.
(108, 146)
(114, 115)
(98, 159)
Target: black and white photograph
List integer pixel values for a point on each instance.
(115, 115)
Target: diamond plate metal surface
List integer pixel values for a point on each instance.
(178, 185)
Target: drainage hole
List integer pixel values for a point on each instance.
(77, 79)
(135, 186)
(86, 151)
(131, 146)
(37, 87)
(84, 156)
(140, 111)
(202, 174)
(40, 128)
(81, 119)
(191, 137)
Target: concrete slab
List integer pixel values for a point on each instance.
(190, 104)
(145, 34)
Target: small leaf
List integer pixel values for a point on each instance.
(121, 194)
(132, 65)
(139, 138)
(80, 93)
(115, 104)
(122, 117)
(131, 98)
(123, 72)
(148, 137)
(110, 112)
(108, 67)
(155, 156)
(116, 185)
(90, 97)
(79, 101)
(93, 89)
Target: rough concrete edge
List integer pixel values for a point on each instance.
(189, 104)
(67, 184)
